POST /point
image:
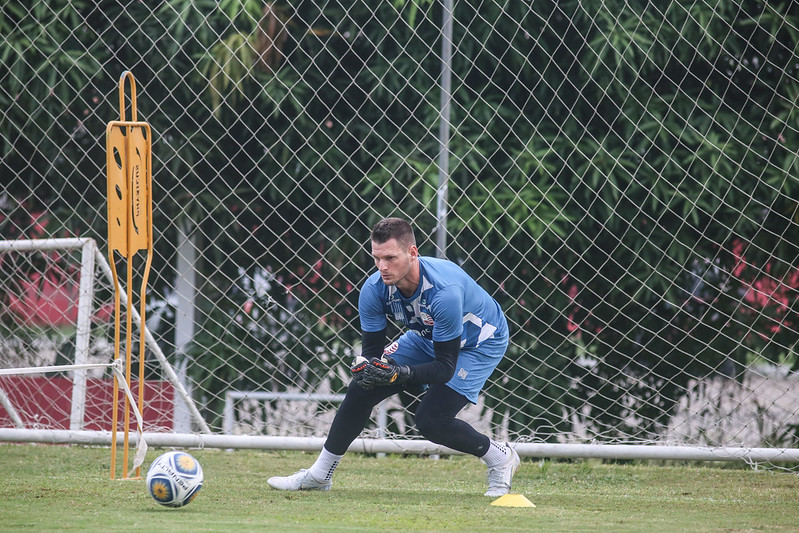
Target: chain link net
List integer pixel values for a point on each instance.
(620, 176)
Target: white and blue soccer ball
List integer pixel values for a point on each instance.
(174, 479)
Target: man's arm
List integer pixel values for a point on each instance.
(373, 343)
(379, 372)
(442, 368)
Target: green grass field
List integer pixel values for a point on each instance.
(60, 488)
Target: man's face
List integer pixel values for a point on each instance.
(394, 261)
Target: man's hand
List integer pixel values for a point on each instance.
(358, 371)
(385, 371)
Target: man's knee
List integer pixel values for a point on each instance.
(431, 426)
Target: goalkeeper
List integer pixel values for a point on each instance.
(456, 335)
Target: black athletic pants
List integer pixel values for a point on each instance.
(435, 419)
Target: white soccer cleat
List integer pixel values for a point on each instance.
(499, 477)
(302, 480)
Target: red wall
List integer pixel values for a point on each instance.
(45, 403)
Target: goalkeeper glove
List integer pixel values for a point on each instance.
(358, 371)
(386, 371)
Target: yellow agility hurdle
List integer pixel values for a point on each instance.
(129, 170)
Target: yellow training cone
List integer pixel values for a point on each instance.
(513, 500)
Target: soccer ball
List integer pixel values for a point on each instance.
(174, 479)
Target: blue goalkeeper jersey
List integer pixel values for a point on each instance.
(448, 303)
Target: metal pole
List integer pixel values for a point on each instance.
(416, 446)
(186, 292)
(443, 129)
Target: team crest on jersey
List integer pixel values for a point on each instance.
(427, 320)
(391, 348)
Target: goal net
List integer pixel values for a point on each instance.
(57, 361)
(621, 176)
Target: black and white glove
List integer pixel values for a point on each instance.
(358, 371)
(385, 371)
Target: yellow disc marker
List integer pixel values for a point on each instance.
(513, 500)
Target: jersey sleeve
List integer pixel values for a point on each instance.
(370, 308)
(447, 308)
